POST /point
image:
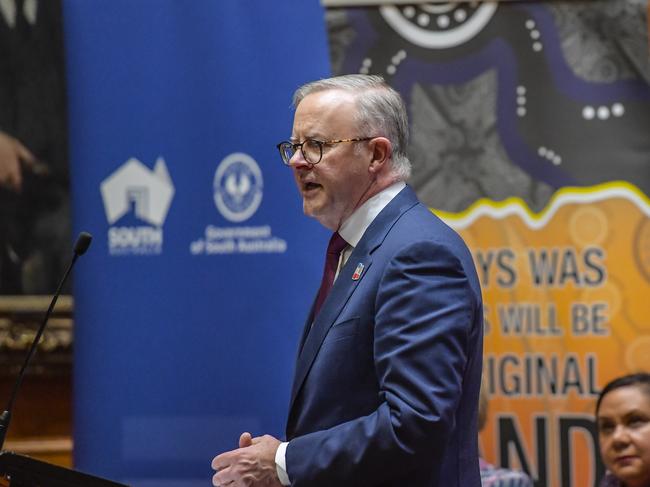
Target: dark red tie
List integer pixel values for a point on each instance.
(334, 249)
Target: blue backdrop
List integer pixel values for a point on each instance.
(190, 301)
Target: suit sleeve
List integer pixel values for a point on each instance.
(425, 309)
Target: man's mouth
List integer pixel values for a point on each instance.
(308, 186)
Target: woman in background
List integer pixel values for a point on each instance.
(623, 418)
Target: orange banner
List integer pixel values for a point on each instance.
(566, 304)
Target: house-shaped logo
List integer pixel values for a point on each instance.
(145, 195)
(135, 186)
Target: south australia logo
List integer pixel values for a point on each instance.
(136, 201)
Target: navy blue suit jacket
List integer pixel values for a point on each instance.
(387, 380)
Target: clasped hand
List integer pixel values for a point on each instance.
(251, 465)
(13, 156)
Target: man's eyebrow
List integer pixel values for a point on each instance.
(296, 140)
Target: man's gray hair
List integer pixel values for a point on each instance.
(380, 112)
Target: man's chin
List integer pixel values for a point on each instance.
(322, 217)
(310, 212)
(310, 208)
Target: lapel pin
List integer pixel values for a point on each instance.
(357, 272)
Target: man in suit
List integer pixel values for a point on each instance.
(388, 373)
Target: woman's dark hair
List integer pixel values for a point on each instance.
(640, 379)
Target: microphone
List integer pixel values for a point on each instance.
(80, 247)
(82, 244)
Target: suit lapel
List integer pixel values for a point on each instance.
(345, 285)
(343, 288)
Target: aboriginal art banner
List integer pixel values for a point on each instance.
(529, 135)
(190, 302)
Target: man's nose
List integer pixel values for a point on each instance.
(298, 160)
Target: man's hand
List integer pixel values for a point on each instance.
(13, 154)
(252, 465)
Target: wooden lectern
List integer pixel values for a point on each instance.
(22, 471)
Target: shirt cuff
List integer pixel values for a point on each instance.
(281, 463)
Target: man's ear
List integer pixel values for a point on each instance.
(381, 152)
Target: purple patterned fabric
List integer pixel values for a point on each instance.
(610, 481)
(492, 476)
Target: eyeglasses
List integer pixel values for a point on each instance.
(312, 149)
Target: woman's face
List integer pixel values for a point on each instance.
(624, 434)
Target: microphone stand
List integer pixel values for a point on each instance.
(80, 247)
(23, 471)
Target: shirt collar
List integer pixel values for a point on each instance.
(357, 223)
